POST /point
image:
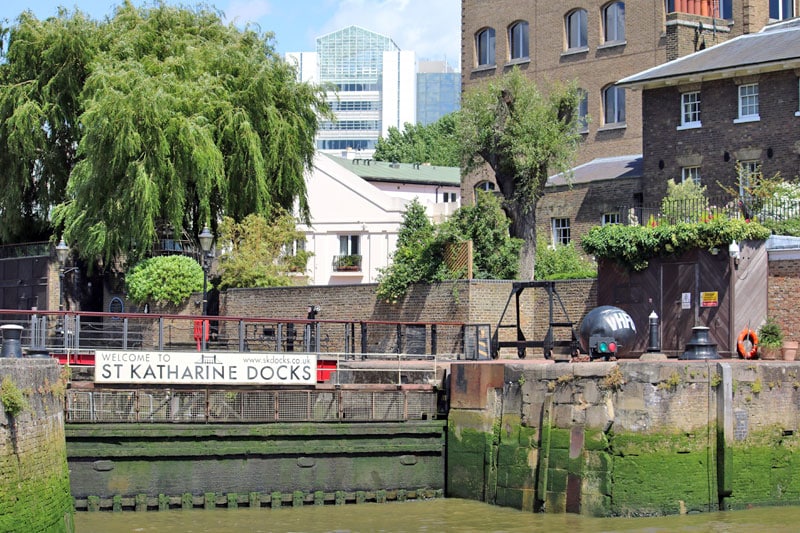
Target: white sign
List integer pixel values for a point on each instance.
(686, 300)
(205, 368)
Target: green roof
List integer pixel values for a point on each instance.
(423, 174)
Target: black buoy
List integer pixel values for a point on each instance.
(700, 346)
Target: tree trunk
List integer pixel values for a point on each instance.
(523, 226)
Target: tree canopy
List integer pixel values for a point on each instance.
(155, 117)
(434, 143)
(523, 136)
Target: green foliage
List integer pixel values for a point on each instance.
(770, 334)
(562, 262)
(157, 115)
(164, 280)
(495, 253)
(419, 257)
(259, 252)
(433, 143)
(12, 398)
(684, 202)
(524, 137)
(633, 246)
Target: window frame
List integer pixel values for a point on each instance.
(608, 219)
(751, 168)
(747, 100)
(618, 107)
(580, 18)
(514, 51)
(691, 109)
(778, 8)
(693, 173)
(347, 242)
(485, 51)
(485, 185)
(583, 111)
(614, 12)
(561, 231)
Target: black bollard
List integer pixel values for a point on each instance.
(11, 341)
(654, 345)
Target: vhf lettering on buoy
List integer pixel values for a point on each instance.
(606, 332)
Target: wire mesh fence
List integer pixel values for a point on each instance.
(258, 406)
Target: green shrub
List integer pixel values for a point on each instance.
(164, 280)
(12, 398)
(561, 262)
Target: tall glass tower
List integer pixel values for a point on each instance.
(373, 87)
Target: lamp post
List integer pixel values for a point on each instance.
(62, 252)
(206, 238)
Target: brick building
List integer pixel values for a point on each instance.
(738, 102)
(598, 43)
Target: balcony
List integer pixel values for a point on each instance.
(347, 263)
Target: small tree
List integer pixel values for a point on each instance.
(164, 280)
(260, 253)
(418, 143)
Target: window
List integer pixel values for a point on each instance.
(484, 45)
(610, 218)
(690, 110)
(614, 22)
(485, 186)
(448, 197)
(560, 231)
(518, 40)
(748, 103)
(690, 173)
(781, 9)
(583, 110)
(348, 244)
(614, 103)
(576, 29)
(748, 174)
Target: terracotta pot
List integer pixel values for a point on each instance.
(789, 350)
(769, 354)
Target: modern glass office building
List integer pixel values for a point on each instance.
(375, 87)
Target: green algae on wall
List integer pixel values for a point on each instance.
(34, 477)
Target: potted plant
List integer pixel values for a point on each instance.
(789, 349)
(770, 339)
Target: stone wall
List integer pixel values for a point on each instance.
(625, 438)
(34, 480)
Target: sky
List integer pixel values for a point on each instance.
(431, 28)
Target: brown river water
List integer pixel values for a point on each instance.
(435, 516)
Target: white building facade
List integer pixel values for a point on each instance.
(357, 207)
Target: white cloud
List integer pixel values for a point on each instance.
(431, 28)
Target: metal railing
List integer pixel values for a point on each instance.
(346, 263)
(72, 335)
(248, 406)
(703, 210)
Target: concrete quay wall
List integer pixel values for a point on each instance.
(34, 480)
(625, 438)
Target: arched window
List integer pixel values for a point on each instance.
(614, 22)
(484, 46)
(518, 40)
(576, 29)
(614, 105)
(484, 186)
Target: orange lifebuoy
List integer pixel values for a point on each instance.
(750, 335)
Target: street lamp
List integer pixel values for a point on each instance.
(62, 253)
(206, 238)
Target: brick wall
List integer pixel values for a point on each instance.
(34, 481)
(719, 143)
(783, 286)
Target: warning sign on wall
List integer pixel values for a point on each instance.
(709, 299)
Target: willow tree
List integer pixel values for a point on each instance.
(175, 120)
(523, 136)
